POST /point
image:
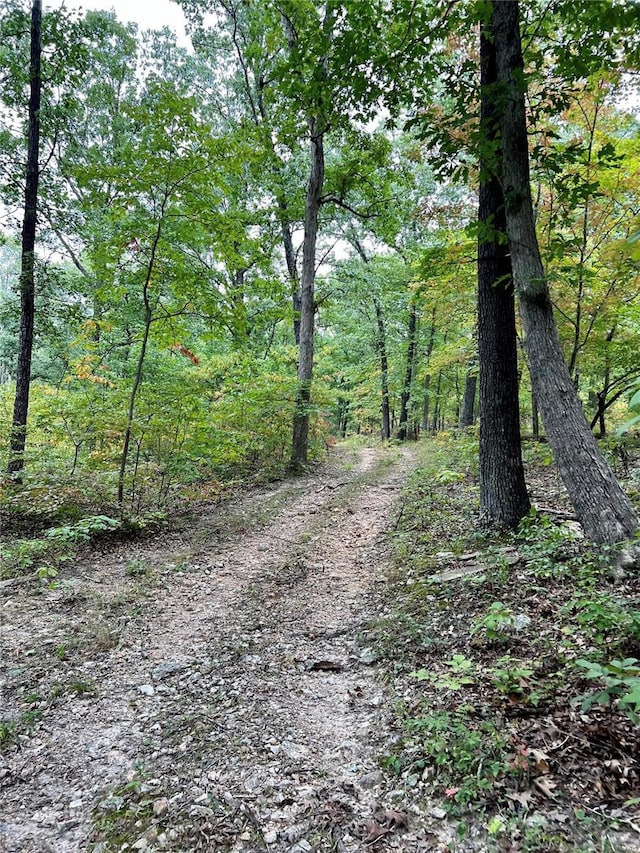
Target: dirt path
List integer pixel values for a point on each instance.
(208, 690)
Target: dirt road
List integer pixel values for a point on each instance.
(211, 689)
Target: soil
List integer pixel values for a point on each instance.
(210, 688)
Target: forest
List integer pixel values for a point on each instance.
(412, 225)
(280, 228)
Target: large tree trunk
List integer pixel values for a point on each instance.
(468, 407)
(503, 493)
(603, 509)
(27, 273)
(300, 444)
(403, 425)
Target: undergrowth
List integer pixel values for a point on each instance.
(517, 657)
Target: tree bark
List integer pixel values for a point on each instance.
(468, 407)
(427, 379)
(300, 443)
(603, 509)
(381, 346)
(137, 380)
(535, 417)
(503, 493)
(27, 273)
(403, 424)
(436, 406)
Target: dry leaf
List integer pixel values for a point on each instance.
(541, 760)
(522, 797)
(373, 831)
(396, 820)
(545, 785)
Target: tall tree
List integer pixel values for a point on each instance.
(503, 493)
(602, 507)
(404, 430)
(27, 272)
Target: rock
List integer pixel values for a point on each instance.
(438, 813)
(270, 837)
(369, 656)
(163, 670)
(160, 806)
(294, 750)
(147, 689)
(446, 555)
(520, 621)
(140, 844)
(371, 780)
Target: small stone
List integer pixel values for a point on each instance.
(163, 670)
(270, 837)
(446, 555)
(370, 780)
(369, 656)
(520, 621)
(140, 844)
(147, 689)
(438, 813)
(294, 750)
(160, 806)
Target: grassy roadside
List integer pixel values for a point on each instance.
(516, 658)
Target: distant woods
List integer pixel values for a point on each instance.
(324, 219)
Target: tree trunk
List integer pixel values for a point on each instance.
(503, 493)
(467, 409)
(436, 405)
(426, 390)
(381, 346)
(300, 443)
(290, 258)
(427, 378)
(535, 417)
(137, 380)
(603, 509)
(27, 273)
(604, 392)
(403, 424)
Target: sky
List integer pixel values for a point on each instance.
(149, 14)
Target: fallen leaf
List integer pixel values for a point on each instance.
(558, 817)
(541, 760)
(522, 797)
(373, 831)
(545, 785)
(396, 820)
